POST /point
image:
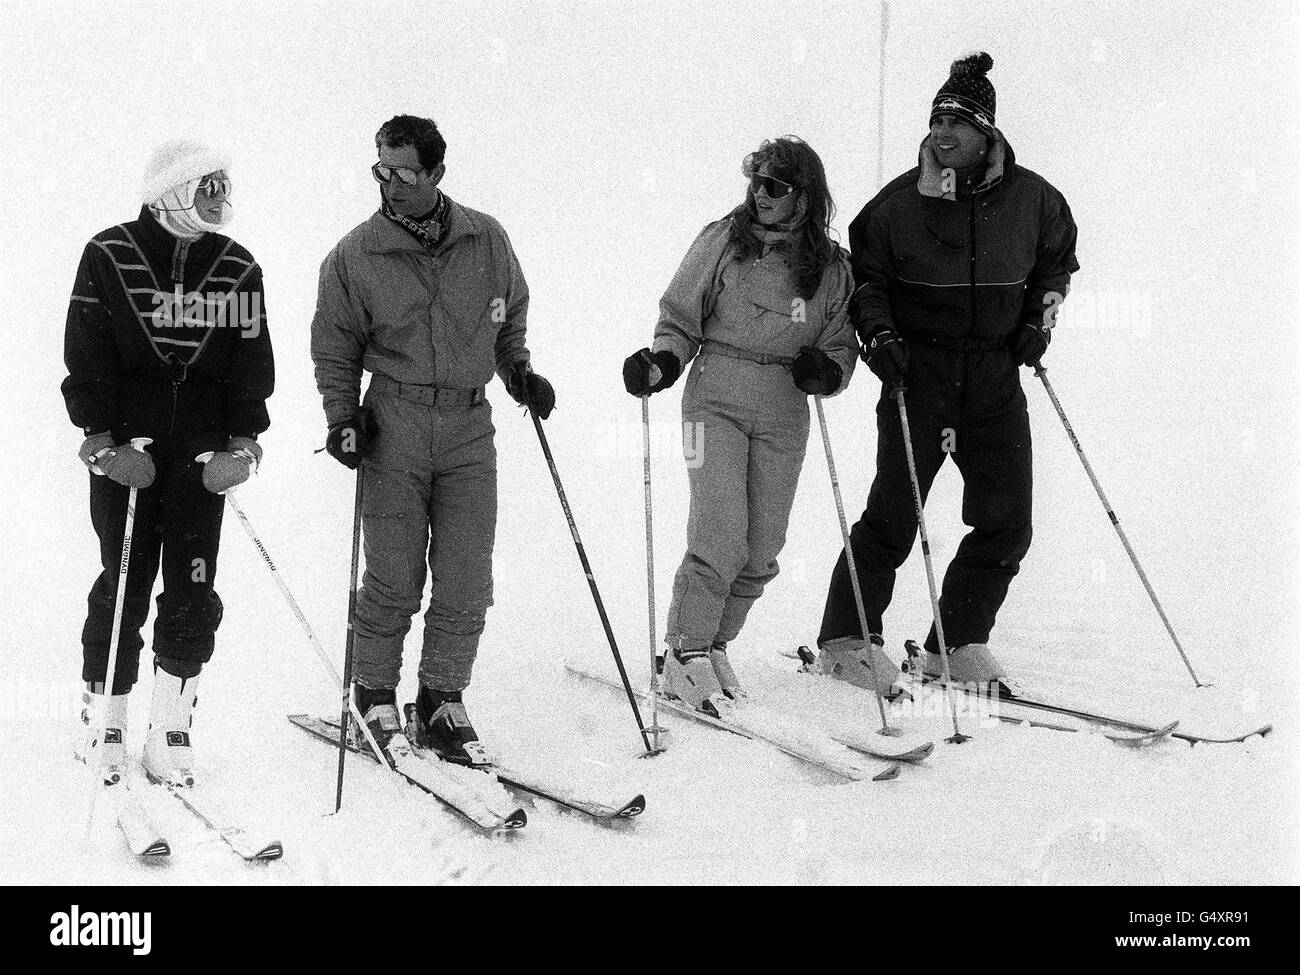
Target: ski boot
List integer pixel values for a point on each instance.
(168, 757)
(861, 663)
(106, 751)
(972, 663)
(727, 679)
(442, 725)
(689, 677)
(378, 708)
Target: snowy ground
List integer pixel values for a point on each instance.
(1176, 359)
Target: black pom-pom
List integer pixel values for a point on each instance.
(976, 65)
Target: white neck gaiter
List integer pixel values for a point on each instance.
(175, 211)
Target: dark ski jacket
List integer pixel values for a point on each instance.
(167, 338)
(932, 261)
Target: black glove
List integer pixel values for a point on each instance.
(1028, 343)
(816, 373)
(349, 439)
(886, 355)
(529, 389)
(636, 371)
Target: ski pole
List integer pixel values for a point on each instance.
(1041, 372)
(848, 557)
(655, 729)
(351, 637)
(898, 391)
(119, 601)
(312, 641)
(591, 581)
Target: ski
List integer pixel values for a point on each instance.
(206, 808)
(1122, 730)
(143, 836)
(442, 780)
(1122, 733)
(905, 748)
(871, 744)
(532, 783)
(736, 722)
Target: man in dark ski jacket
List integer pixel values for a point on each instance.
(960, 265)
(166, 340)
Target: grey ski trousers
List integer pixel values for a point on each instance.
(751, 427)
(430, 501)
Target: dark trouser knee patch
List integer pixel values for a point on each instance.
(186, 626)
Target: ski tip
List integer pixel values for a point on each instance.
(156, 850)
(272, 851)
(634, 808)
(888, 774)
(515, 821)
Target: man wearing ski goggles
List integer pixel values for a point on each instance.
(428, 296)
(385, 174)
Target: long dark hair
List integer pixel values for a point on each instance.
(810, 250)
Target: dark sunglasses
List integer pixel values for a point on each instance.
(215, 185)
(773, 187)
(384, 174)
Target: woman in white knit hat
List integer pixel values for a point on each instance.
(165, 340)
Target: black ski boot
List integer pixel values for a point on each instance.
(442, 725)
(378, 706)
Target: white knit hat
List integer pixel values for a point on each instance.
(176, 162)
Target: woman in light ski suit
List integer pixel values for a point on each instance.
(761, 303)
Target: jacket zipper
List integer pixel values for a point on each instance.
(971, 331)
(178, 281)
(965, 364)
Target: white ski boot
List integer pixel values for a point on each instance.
(168, 756)
(689, 676)
(727, 679)
(861, 663)
(107, 752)
(972, 663)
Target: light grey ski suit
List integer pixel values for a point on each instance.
(745, 418)
(432, 327)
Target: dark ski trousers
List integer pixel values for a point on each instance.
(178, 528)
(969, 404)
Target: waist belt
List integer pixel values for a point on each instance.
(735, 352)
(960, 344)
(438, 397)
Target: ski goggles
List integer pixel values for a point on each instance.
(215, 186)
(385, 174)
(775, 188)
